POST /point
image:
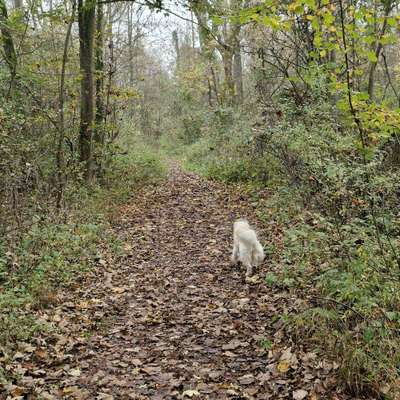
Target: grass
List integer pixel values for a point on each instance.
(329, 247)
(57, 251)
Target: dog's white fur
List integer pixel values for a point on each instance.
(246, 247)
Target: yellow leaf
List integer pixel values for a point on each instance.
(70, 389)
(283, 366)
(17, 391)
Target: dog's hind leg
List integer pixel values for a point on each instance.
(235, 254)
(249, 269)
(245, 258)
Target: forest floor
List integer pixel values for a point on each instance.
(171, 318)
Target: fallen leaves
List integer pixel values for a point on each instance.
(300, 394)
(246, 379)
(232, 345)
(74, 372)
(190, 393)
(283, 366)
(171, 318)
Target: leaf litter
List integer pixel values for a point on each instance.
(170, 318)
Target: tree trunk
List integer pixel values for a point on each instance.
(130, 45)
(377, 51)
(60, 154)
(227, 58)
(238, 74)
(18, 4)
(86, 14)
(99, 73)
(8, 44)
(100, 109)
(215, 84)
(175, 41)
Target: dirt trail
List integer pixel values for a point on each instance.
(173, 319)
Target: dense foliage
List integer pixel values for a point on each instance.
(295, 99)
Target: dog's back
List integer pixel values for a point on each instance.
(247, 248)
(243, 232)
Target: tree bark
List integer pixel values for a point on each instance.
(61, 133)
(99, 72)
(86, 16)
(130, 45)
(377, 51)
(18, 4)
(227, 59)
(100, 108)
(238, 74)
(175, 41)
(8, 44)
(215, 84)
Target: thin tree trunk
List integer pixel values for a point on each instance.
(86, 13)
(8, 45)
(192, 29)
(175, 41)
(111, 70)
(130, 45)
(377, 50)
(209, 92)
(61, 134)
(100, 109)
(238, 74)
(227, 58)
(131, 55)
(215, 84)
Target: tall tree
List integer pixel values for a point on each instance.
(8, 43)
(377, 46)
(86, 18)
(61, 100)
(238, 73)
(100, 109)
(225, 38)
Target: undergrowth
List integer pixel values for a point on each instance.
(58, 248)
(340, 226)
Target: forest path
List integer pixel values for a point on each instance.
(172, 319)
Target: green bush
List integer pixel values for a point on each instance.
(341, 231)
(51, 255)
(48, 257)
(340, 227)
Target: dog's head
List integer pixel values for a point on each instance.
(241, 222)
(258, 256)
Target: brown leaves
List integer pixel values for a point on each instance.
(300, 394)
(246, 379)
(233, 344)
(171, 318)
(190, 393)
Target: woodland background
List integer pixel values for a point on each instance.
(297, 102)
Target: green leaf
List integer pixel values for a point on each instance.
(372, 57)
(362, 96)
(217, 20)
(329, 19)
(391, 21)
(310, 4)
(392, 315)
(266, 344)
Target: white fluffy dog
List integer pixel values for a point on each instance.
(246, 247)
